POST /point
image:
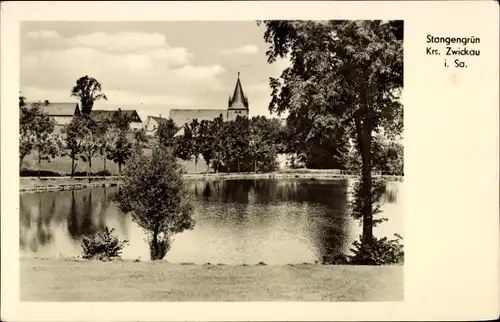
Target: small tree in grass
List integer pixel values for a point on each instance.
(155, 195)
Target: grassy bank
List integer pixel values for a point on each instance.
(73, 280)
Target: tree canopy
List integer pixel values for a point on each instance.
(88, 90)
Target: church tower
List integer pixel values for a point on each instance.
(238, 103)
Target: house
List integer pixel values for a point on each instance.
(100, 115)
(237, 106)
(152, 123)
(62, 113)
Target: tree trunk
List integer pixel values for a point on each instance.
(255, 165)
(105, 157)
(21, 158)
(39, 162)
(364, 134)
(72, 166)
(238, 166)
(208, 167)
(196, 164)
(154, 246)
(119, 168)
(89, 170)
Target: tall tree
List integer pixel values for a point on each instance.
(73, 134)
(205, 139)
(121, 151)
(165, 133)
(196, 147)
(121, 148)
(342, 74)
(140, 140)
(264, 136)
(216, 142)
(88, 90)
(107, 134)
(46, 143)
(90, 143)
(27, 116)
(183, 145)
(240, 139)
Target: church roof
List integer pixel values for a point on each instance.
(182, 117)
(238, 100)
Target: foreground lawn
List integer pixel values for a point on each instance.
(72, 280)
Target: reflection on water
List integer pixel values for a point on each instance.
(237, 221)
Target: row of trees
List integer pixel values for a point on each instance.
(242, 145)
(83, 138)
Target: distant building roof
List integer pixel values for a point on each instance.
(182, 117)
(59, 109)
(100, 115)
(158, 119)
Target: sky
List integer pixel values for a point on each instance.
(148, 66)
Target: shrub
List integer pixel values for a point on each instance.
(102, 245)
(34, 173)
(382, 252)
(339, 259)
(103, 173)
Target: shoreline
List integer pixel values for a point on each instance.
(34, 184)
(82, 280)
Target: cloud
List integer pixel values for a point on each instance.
(244, 50)
(192, 73)
(116, 98)
(173, 56)
(44, 34)
(119, 41)
(144, 64)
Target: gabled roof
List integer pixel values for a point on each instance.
(238, 100)
(59, 109)
(181, 117)
(158, 119)
(100, 115)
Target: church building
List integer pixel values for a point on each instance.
(237, 106)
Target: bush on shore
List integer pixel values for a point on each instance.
(383, 251)
(45, 173)
(102, 245)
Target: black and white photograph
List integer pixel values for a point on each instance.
(211, 161)
(249, 161)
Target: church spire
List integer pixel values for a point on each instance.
(238, 101)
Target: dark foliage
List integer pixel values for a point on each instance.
(102, 245)
(382, 251)
(42, 173)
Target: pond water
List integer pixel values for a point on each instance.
(237, 221)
